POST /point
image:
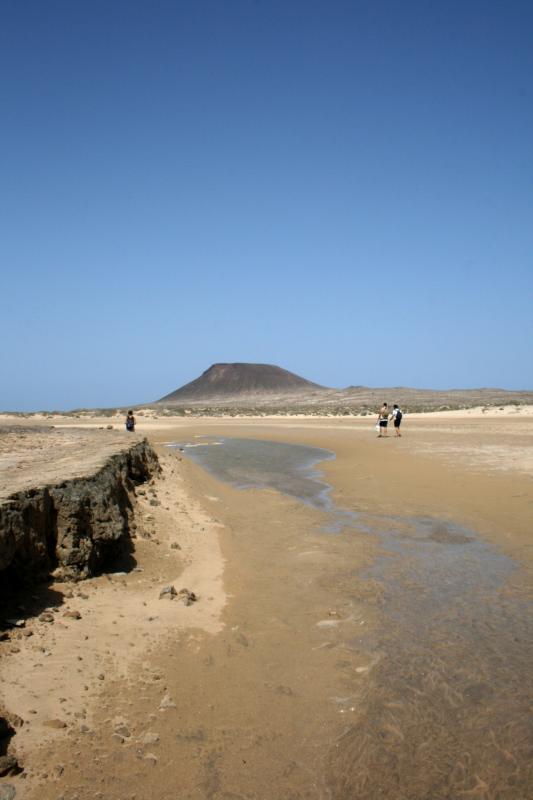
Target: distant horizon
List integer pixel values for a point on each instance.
(63, 407)
(341, 187)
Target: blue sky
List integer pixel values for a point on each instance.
(344, 189)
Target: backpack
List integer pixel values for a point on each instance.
(399, 415)
(129, 424)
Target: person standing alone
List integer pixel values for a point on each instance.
(130, 422)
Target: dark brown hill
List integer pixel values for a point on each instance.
(238, 381)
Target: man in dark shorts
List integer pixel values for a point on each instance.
(397, 418)
(383, 420)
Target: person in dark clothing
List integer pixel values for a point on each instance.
(397, 418)
(130, 422)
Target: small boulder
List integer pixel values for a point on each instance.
(167, 702)
(150, 738)
(167, 593)
(187, 597)
(73, 614)
(55, 723)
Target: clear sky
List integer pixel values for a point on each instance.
(344, 189)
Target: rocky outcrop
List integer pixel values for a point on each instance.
(8, 762)
(74, 525)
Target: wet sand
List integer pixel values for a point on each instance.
(389, 659)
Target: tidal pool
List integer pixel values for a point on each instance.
(251, 463)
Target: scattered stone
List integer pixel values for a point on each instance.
(55, 723)
(187, 597)
(175, 546)
(101, 676)
(109, 427)
(72, 614)
(150, 757)
(16, 623)
(46, 616)
(167, 702)
(83, 595)
(167, 593)
(122, 730)
(155, 502)
(150, 738)
(7, 792)
(27, 632)
(59, 770)
(286, 690)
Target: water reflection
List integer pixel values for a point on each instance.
(250, 463)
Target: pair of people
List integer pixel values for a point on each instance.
(384, 417)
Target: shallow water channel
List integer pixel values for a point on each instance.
(446, 710)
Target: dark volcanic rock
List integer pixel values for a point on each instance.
(235, 380)
(9, 765)
(75, 525)
(9, 722)
(8, 762)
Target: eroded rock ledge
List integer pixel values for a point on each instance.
(74, 525)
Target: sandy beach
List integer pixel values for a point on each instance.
(388, 658)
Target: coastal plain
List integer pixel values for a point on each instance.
(386, 654)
